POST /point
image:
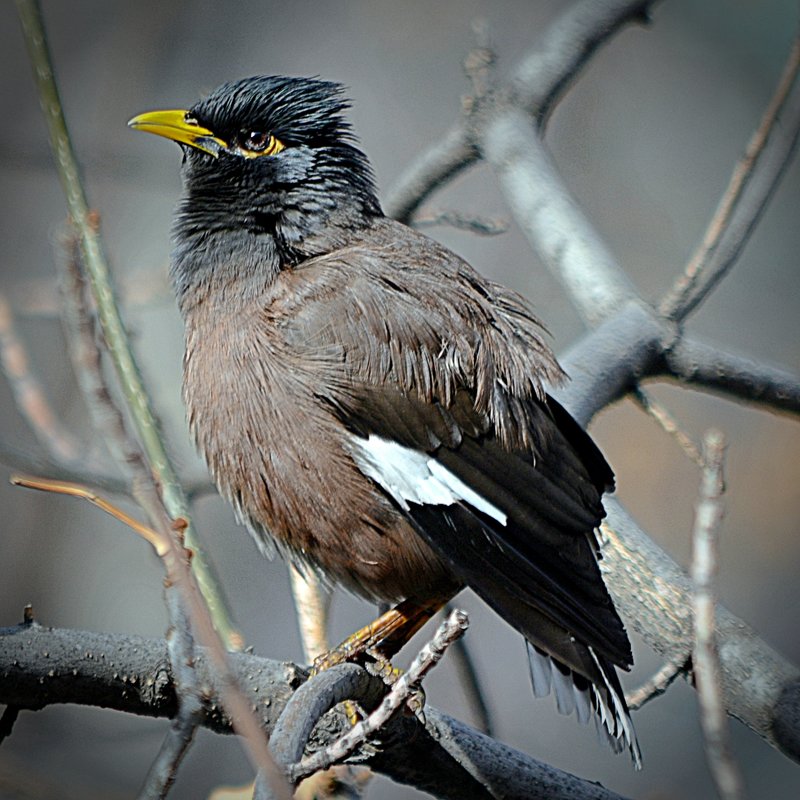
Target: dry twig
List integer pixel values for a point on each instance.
(451, 629)
(706, 660)
(655, 686)
(703, 272)
(482, 226)
(84, 346)
(85, 223)
(29, 393)
(663, 417)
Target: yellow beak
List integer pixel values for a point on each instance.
(180, 127)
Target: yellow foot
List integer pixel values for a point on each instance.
(385, 636)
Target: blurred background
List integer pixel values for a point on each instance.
(646, 140)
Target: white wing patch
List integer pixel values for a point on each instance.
(411, 476)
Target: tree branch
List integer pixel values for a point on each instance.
(539, 81)
(432, 169)
(705, 660)
(41, 666)
(544, 75)
(656, 685)
(110, 318)
(654, 595)
(551, 220)
(751, 186)
(745, 380)
(608, 361)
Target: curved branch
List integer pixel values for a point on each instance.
(543, 76)
(655, 595)
(607, 362)
(743, 379)
(537, 84)
(41, 666)
(313, 700)
(705, 657)
(552, 222)
(434, 167)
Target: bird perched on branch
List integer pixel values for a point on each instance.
(372, 405)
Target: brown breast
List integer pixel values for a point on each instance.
(280, 457)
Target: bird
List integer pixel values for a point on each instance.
(372, 406)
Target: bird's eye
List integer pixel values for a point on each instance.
(258, 143)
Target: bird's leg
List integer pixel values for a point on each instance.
(384, 637)
(379, 641)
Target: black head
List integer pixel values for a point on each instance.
(268, 156)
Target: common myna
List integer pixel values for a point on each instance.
(372, 405)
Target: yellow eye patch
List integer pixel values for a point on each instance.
(252, 144)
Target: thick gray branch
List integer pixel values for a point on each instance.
(654, 595)
(41, 666)
(544, 75)
(607, 362)
(551, 220)
(537, 84)
(740, 377)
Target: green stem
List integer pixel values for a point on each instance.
(116, 337)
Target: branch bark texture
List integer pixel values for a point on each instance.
(41, 666)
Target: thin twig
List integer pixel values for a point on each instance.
(483, 226)
(451, 629)
(707, 673)
(147, 427)
(663, 417)
(87, 362)
(75, 490)
(703, 272)
(470, 682)
(186, 603)
(656, 685)
(29, 393)
(311, 602)
(163, 770)
(480, 60)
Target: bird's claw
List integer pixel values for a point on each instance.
(389, 674)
